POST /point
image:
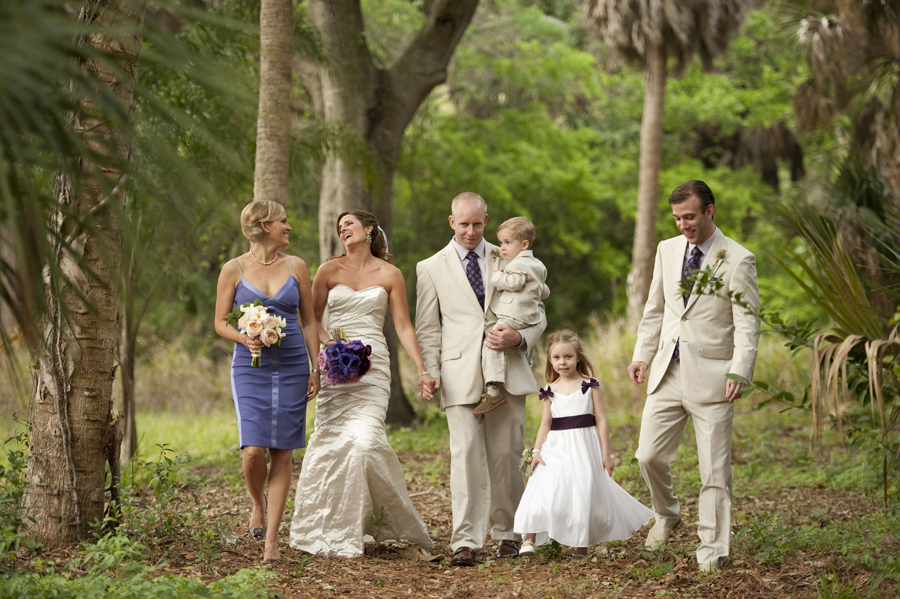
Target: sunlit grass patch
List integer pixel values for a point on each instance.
(210, 438)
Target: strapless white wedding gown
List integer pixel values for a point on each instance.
(350, 471)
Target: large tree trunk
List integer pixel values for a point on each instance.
(72, 425)
(273, 131)
(648, 183)
(378, 104)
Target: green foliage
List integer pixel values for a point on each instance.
(173, 511)
(771, 539)
(13, 519)
(428, 435)
(377, 526)
(869, 542)
(549, 551)
(113, 568)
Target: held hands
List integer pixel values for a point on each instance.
(427, 386)
(501, 337)
(636, 372)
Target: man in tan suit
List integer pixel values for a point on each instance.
(452, 288)
(695, 341)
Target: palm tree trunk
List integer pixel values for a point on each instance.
(273, 130)
(72, 426)
(648, 183)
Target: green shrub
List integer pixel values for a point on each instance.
(12, 491)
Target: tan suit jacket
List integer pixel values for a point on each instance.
(450, 329)
(717, 336)
(519, 289)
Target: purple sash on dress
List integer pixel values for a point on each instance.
(569, 422)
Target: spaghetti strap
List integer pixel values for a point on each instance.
(291, 265)
(241, 270)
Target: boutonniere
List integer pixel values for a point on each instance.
(495, 254)
(720, 255)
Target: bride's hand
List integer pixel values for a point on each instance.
(315, 384)
(427, 385)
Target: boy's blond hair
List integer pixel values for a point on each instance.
(520, 227)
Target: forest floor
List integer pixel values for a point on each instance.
(620, 569)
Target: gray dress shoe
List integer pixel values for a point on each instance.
(660, 533)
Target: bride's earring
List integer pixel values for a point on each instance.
(368, 239)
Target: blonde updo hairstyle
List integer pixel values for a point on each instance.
(379, 246)
(583, 367)
(255, 214)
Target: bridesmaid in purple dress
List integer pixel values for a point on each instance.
(270, 400)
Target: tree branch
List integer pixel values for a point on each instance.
(423, 65)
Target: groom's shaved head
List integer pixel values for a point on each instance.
(467, 197)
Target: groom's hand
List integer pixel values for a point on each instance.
(734, 390)
(636, 372)
(427, 386)
(502, 336)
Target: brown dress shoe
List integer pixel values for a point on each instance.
(507, 549)
(464, 556)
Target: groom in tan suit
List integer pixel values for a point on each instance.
(695, 341)
(452, 289)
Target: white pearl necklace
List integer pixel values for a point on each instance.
(264, 263)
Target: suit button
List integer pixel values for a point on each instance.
(674, 341)
(684, 319)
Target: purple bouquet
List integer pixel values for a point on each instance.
(345, 361)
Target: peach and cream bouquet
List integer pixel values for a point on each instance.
(255, 320)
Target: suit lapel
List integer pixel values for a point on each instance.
(456, 272)
(673, 271)
(709, 261)
(492, 265)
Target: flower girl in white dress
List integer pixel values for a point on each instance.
(571, 496)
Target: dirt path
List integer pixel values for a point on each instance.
(399, 570)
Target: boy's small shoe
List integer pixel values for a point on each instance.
(488, 403)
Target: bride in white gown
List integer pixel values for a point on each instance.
(349, 471)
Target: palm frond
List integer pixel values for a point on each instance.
(630, 28)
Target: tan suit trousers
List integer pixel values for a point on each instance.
(662, 424)
(486, 482)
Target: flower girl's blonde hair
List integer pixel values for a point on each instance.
(583, 367)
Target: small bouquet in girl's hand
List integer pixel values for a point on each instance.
(525, 462)
(256, 321)
(344, 361)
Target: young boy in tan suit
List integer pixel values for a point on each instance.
(519, 289)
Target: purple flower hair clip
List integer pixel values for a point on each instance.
(585, 385)
(546, 393)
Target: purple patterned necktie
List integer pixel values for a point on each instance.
(473, 273)
(692, 263)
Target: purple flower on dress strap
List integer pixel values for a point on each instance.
(585, 385)
(546, 393)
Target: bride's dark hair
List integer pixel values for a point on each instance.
(379, 245)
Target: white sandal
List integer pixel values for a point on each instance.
(527, 548)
